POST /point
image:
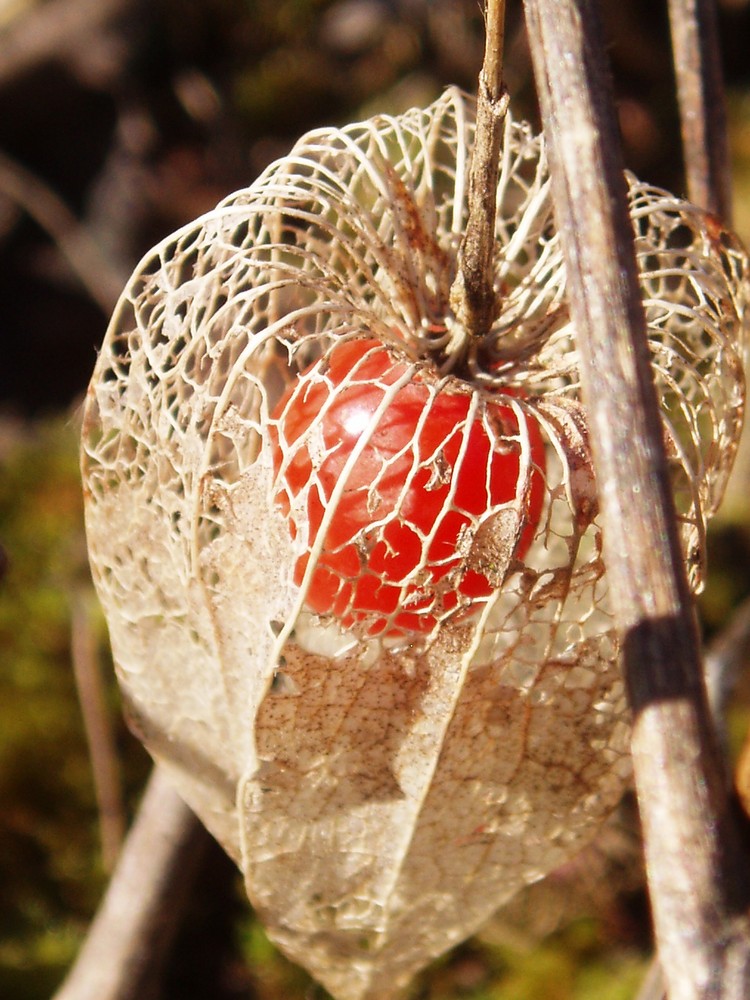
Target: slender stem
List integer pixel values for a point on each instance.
(85, 257)
(98, 728)
(652, 987)
(59, 31)
(700, 92)
(129, 939)
(473, 296)
(698, 876)
(492, 67)
(725, 660)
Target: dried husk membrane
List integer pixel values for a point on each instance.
(384, 791)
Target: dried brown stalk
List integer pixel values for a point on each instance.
(97, 725)
(700, 92)
(697, 873)
(727, 655)
(652, 987)
(473, 293)
(60, 30)
(85, 257)
(124, 951)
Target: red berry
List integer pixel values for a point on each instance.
(393, 552)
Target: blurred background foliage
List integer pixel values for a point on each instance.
(119, 121)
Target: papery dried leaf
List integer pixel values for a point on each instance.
(385, 774)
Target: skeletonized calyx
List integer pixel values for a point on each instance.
(350, 559)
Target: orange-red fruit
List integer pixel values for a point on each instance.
(390, 544)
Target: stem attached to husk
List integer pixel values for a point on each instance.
(473, 296)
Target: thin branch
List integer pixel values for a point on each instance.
(98, 728)
(58, 30)
(492, 67)
(473, 293)
(652, 987)
(727, 656)
(102, 281)
(698, 877)
(700, 92)
(130, 937)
